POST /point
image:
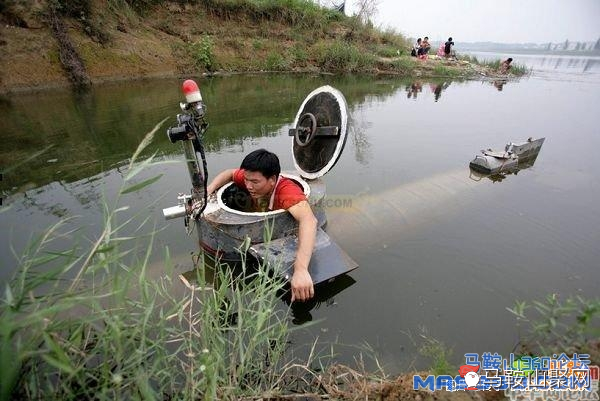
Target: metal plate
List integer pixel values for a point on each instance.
(328, 259)
(329, 107)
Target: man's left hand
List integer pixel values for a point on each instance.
(302, 285)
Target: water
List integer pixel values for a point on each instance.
(439, 250)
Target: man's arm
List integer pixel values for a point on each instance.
(302, 285)
(221, 179)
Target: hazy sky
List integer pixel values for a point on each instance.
(508, 21)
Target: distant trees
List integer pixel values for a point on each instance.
(597, 45)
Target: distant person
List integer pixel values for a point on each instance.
(448, 48)
(416, 47)
(440, 50)
(424, 49)
(505, 65)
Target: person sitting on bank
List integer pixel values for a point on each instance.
(448, 47)
(424, 49)
(505, 65)
(416, 47)
(259, 175)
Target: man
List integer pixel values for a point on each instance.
(425, 46)
(259, 175)
(416, 47)
(448, 47)
(505, 65)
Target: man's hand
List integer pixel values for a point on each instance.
(302, 285)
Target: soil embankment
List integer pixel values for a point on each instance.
(54, 43)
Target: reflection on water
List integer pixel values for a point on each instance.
(499, 84)
(98, 130)
(428, 238)
(523, 164)
(436, 87)
(325, 294)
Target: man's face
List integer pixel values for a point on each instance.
(257, 184)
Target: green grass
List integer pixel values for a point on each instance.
(439, 354)
(203, 54)
(93, 322)
(342, 56)
(556, 325)
(442, 71)
(515, 68)
(276, 62)
(404, 64)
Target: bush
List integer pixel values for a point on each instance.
(342, 56)
(275, 62)
(404, 64)
(202, 53)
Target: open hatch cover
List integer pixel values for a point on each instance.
(320, 132)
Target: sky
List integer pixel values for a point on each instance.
(505, 21)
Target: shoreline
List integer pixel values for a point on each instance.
(474, 75)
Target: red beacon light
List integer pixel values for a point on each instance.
(191, 91)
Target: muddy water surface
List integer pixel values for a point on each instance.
(439, 249)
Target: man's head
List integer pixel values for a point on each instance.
(509, 59)
(450, 39)
(419, 40)
(261, 172)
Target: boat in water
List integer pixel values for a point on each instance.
(514, 157)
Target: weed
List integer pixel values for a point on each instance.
(202, 53)
(404, 64)
(120, 332)
(558, 325)
(275, 62)
(342, 56)
(388, 51)
(439, 353)
(443, 71)
(258, 44)
(298, 54)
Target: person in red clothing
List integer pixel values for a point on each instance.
(259, 175)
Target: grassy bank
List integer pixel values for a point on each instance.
(118, 39)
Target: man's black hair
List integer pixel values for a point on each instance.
(509, 59)
(263, 161)
(450, 39)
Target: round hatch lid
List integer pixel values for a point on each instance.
(320, 131)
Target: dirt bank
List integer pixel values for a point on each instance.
(170, 40)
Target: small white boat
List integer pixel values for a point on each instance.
(494, 161)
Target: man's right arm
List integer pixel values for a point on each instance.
(221, 179)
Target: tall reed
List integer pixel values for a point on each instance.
(93, 322)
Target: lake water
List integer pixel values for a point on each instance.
(440, 251)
